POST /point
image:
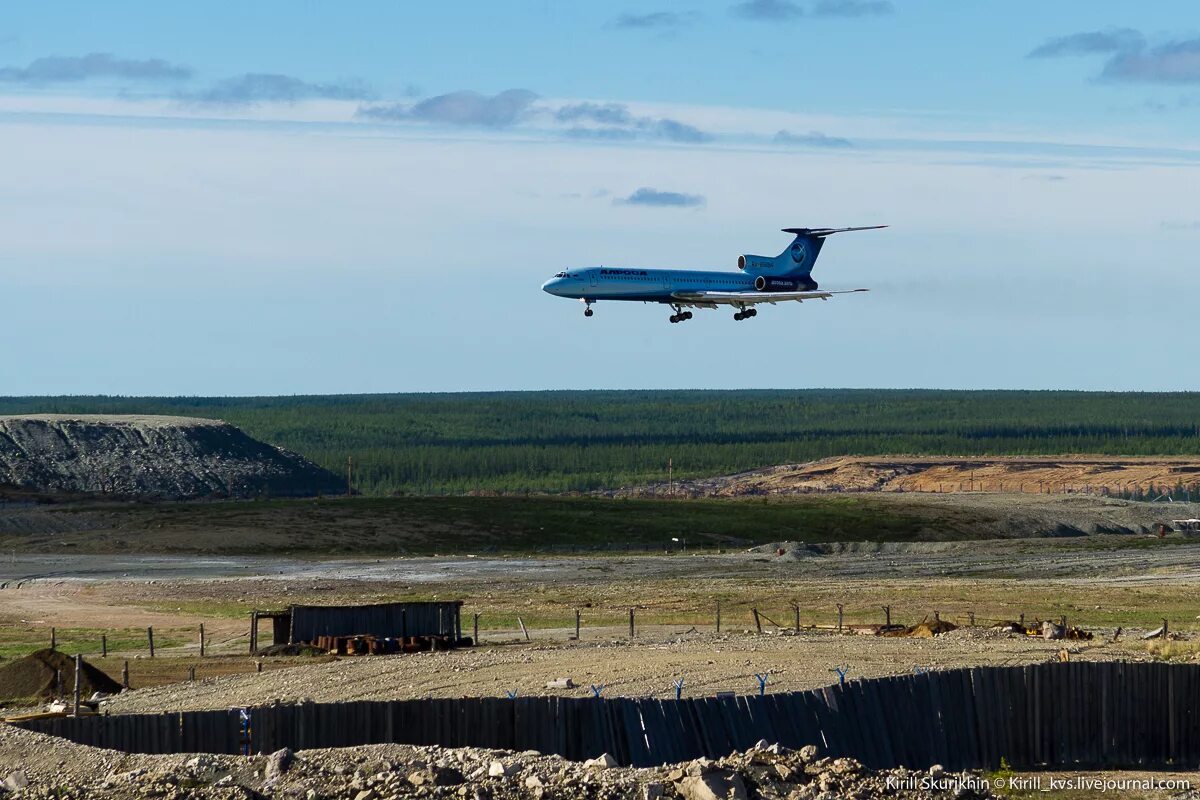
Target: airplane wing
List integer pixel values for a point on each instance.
(714, 299)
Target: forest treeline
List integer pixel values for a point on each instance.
(580, 440)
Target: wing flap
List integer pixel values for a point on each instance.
(709, 299)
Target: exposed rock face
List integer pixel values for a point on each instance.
(149, 456)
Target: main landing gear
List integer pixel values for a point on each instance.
(587, 308)
(746, 313)
(680, 315)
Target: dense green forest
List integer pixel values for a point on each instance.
(561, 441)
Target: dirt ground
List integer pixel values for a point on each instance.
(644, 667)
(1101, 583)
(1019, 474)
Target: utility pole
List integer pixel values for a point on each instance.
(349, 475)
(671, 475)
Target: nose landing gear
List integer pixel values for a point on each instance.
(746, 314)
(587, 308)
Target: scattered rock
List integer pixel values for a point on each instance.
(278, 763)
(713, 785)
(16, 781)
(605, 761)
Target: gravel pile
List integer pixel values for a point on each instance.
(37, 677)
(37, 766)
(150, 456)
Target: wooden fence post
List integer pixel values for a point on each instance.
(75, 694)
(796, 608)
(253, 632)
(971, 618)
(258, 666)
(53, 638)
(125, 675)
(104, 645)
(839, 607)
(192, 672)
(718, 616)
(887, 616)
(757, 621)
(577, 624)
(632, 629)
(475, 620)
(202, 640)
(150, 638)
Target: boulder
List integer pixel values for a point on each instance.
(278, 763)
(713, 785)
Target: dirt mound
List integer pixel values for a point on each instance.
(34, 677)
(146, 456)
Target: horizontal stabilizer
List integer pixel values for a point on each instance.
(823, 232)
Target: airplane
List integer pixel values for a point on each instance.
(760, 279)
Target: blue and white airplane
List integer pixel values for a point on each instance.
(760, 279)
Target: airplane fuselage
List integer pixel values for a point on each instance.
(646, 285)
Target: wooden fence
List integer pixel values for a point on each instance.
(1071, 715)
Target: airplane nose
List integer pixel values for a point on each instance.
(552, 286)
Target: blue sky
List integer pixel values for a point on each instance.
(278, 198)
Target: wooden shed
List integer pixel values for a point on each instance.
(379, 627)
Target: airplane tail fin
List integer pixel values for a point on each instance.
(798, 260)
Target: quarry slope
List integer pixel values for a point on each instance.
(138, 456)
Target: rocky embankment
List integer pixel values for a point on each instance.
(37, 766)
(150, 457)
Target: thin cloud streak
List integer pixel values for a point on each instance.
(252, 88)
(73, 69)
(852, 8)
(811, 139)
(466, 108)
(616, 122)
(768, 10)
(1088, 42)
(656, 20)
(649, 196)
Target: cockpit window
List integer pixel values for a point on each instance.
(560, 274)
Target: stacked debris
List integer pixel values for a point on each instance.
(45, 767)
(46, 674)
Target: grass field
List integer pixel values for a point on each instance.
(450, 525)
(561, 441)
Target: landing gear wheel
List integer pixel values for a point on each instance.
(587, 312)
(686, 315)
(739, 316)
(750, 312)
(674, 318)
